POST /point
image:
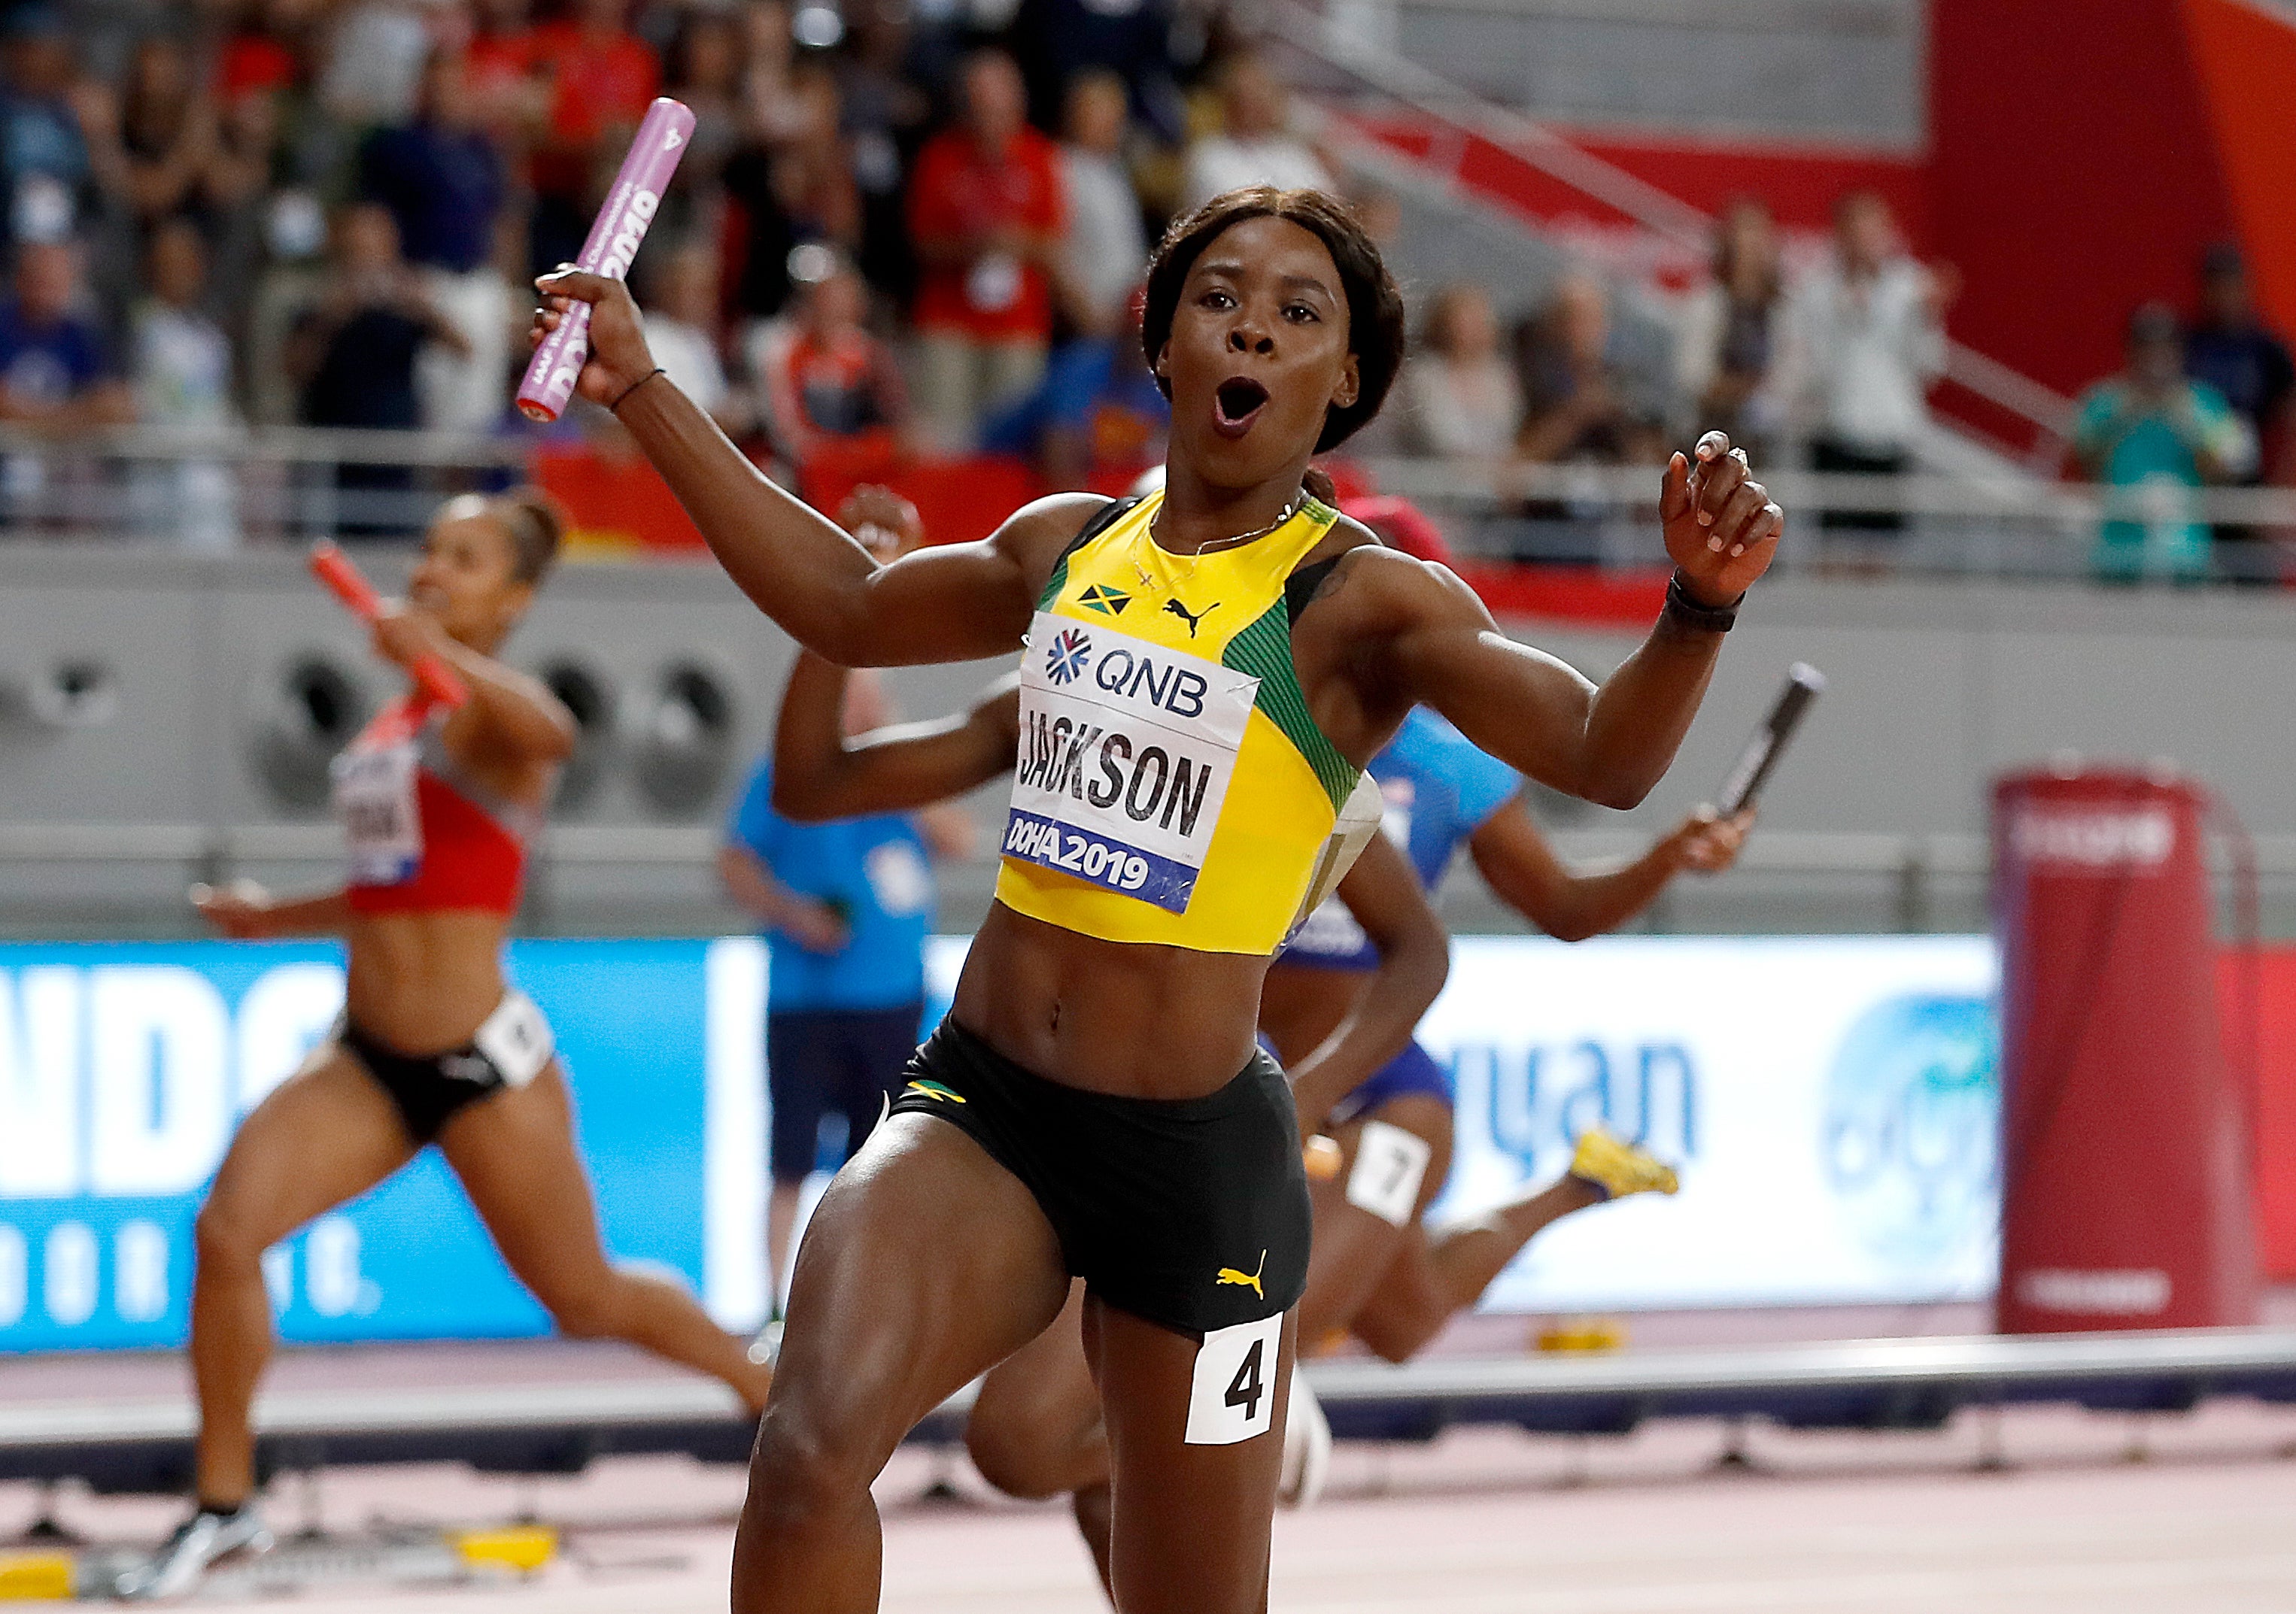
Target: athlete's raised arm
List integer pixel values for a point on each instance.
(1607, 743)
(516, 709)
(821, 772)
(956, 603)
(1415, 959)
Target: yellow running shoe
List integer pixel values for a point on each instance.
(1618, 1168)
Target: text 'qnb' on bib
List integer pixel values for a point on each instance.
(1127, 748)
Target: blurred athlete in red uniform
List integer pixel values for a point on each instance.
(434, 1046)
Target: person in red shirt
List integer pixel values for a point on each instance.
(987, 210)
(498, 66)
(826, 378)
(602, 77)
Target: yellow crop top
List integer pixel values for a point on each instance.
(1171, 787)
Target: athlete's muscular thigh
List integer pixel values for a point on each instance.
(325, 1135)
(1191, 1522)
(926, 1264)
(1392, 1316)
(1357, 1237)
(515, 1154)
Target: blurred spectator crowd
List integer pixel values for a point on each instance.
(903, 228)
(1831, 368)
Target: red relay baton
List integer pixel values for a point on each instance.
(347, 583)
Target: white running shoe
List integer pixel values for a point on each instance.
(1306, 1447)
(199, 1541)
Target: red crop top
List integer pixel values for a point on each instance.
(422, 838)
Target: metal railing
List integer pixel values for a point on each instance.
(284, 486)
(215, 490)
(119, 878)
(1964, 525)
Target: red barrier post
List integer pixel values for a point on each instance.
(2126, 1192)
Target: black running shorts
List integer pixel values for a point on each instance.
(509, 1050)
(1190, 1213)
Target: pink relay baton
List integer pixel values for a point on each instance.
(621, 224)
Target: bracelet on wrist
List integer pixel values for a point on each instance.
(1684, 610)
(633, 387)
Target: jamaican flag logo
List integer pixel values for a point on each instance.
(1108, 602)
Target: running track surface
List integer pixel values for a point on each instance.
(2095, 1514)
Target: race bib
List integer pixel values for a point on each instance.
(1126, 753)
(1390, 1163)
(1232, 1393)
(373, 790)
(516, 1040)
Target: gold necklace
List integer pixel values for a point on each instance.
(1290, 509)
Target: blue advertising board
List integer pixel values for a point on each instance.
(123, 1069)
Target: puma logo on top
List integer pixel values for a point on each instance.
(1194, 618)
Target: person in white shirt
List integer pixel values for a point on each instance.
(181, 373)
(1866, 343)
(682, 326)
(1105, 250)
(1256, 145)
(1462, 399)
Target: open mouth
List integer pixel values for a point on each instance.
(1237, 404)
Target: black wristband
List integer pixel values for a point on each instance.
(1684, 611)
(633, 387)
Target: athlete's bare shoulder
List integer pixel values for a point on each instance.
(1371, 585)
(1035, 535)
(1345, 639)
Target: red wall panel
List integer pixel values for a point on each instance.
(2073, 174)
(2247, 58)
(1799, 181)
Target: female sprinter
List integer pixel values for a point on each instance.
(434, 1046)
(1035, 1428)
(1206, 674)
(1376, 1268)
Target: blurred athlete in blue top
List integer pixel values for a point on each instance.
(1375, 1269)
(846, 906)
